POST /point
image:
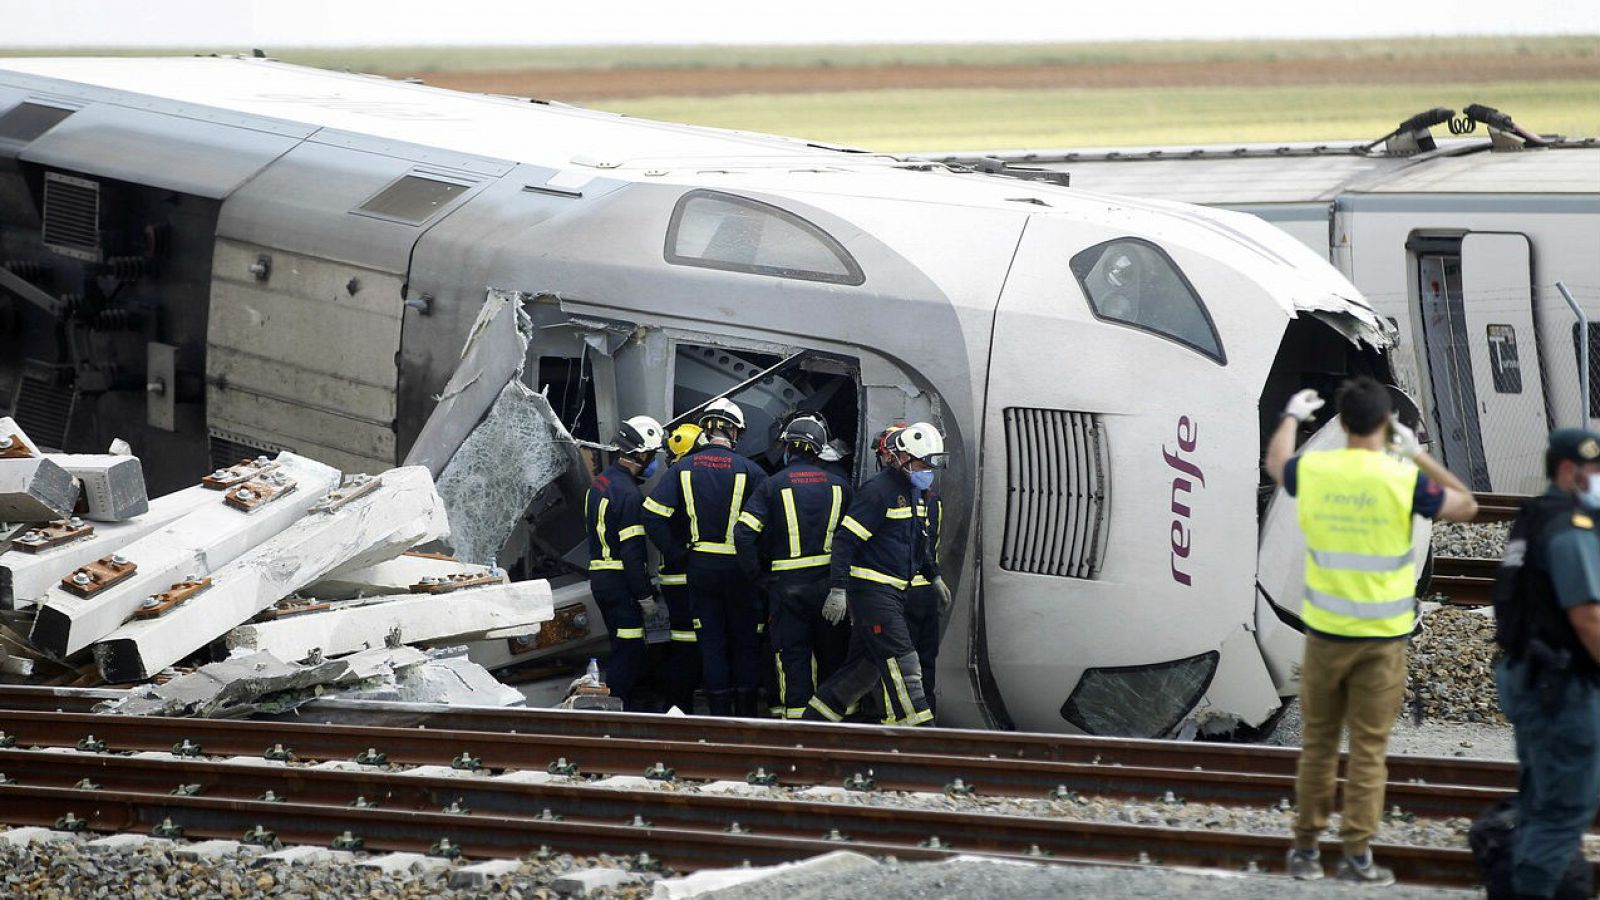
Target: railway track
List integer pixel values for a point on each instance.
(1498, 507)
(1464, 581)
(516, 806)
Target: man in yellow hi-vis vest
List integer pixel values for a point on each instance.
(1359, 606)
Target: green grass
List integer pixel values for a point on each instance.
(996, 119)
(445, 59)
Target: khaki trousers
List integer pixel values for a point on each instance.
(1354, 684)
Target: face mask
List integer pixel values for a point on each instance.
(1589, 495)
(650, 470)
(924, 479)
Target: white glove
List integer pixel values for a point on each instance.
(1303, 404)
(1402, 440)
(944, 595)
(647, 604)
(833, 607)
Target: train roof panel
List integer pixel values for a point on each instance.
(502, 127)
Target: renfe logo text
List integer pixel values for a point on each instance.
(1186, 476)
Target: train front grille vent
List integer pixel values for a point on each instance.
(72, 216)
(1057, 493)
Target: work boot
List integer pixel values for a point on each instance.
(1305, 865)
(744, 703)
(719, 703)
(1362, 870)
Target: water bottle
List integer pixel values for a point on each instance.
(592, 676)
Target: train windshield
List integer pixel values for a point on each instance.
(1133, 282)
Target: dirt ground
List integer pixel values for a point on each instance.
(589, 85)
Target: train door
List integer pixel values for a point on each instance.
(1497, 281)
(1475, 302)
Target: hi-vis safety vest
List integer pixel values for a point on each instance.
(1355, 512)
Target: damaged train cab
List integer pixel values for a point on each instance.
(213, 257)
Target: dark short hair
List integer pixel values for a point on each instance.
(1364, 405)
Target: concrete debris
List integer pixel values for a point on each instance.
(26, 576)
(34, 489)
(713, 882)
(447, 676)
(113, 486)
(466, 614)
(395, 576)
(196, 545)
(259, 682)
(401, 512)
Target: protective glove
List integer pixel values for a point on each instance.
(1303, 404)
(944, 595)
(647, 605)
(833, 607)
(1402, 440)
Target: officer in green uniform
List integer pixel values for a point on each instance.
(1355, 506)
(1547, 622)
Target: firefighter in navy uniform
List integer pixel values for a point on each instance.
(1547, 622)
(679, 672)
(787, 529)
(619, 561)
(928, 599)
(691, 516)
(876, 551)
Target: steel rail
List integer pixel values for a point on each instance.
(1464, 581)
(812, 736)
(681, 847)
(790, 765)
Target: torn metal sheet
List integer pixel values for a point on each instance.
(493, 355)
(403, 511)
(1369, 330)
(196, 544)
(25, 577)
(512, 455)
(468, 614)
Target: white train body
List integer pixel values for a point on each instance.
(1461, 246)
(1104, 367)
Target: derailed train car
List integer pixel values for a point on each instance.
(213, 257)
(1461, 242)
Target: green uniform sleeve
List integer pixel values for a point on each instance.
(1575, 567)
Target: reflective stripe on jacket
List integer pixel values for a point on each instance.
(878, 540)
(1355, 512)
(614, 522)
(708, 491)
(789, 523)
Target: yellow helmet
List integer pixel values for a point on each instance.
(683, 439)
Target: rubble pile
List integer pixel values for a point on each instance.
(1452, 668)
(1470, 540)
(312, 581)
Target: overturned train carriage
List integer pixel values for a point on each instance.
(214, 257)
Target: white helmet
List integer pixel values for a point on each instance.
(640, 434)
(721, 411)
(919, 440)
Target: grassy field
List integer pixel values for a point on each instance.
(458, 59)
(993, 120)
(930, 97)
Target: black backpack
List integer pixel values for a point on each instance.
(1491, 842)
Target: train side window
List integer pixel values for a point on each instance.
(1133, 282)
(1503, 364)
(724, 231)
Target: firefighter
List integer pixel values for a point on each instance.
(619, 561)
(691, 516)
(928, 599)
(876, 551)
(679, 673)
(787, 530)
